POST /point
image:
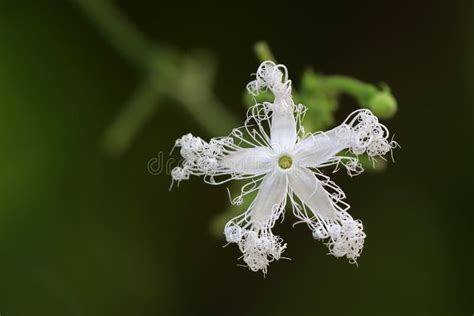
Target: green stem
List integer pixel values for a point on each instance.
(116, 27)
(379, 100)
(356, 88)
(131, 119)
(190, 86)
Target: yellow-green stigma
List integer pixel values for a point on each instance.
(285, 162)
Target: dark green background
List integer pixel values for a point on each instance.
(82, 233)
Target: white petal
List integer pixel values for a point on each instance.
(270, 196)
(257, 160)
(283, 126)
(310, 191)
(318, 148)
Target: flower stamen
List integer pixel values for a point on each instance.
(285, 162)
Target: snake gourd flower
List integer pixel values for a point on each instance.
(282, 164)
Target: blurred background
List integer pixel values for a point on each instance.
(84, 231)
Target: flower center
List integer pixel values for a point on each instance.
(285, 162)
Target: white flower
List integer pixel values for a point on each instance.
(280, 166)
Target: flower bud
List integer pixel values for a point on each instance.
(383, 104)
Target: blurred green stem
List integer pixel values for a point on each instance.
(127, 124)
(343, 84)
(118, 30)
(191, 85)
(169, 73)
